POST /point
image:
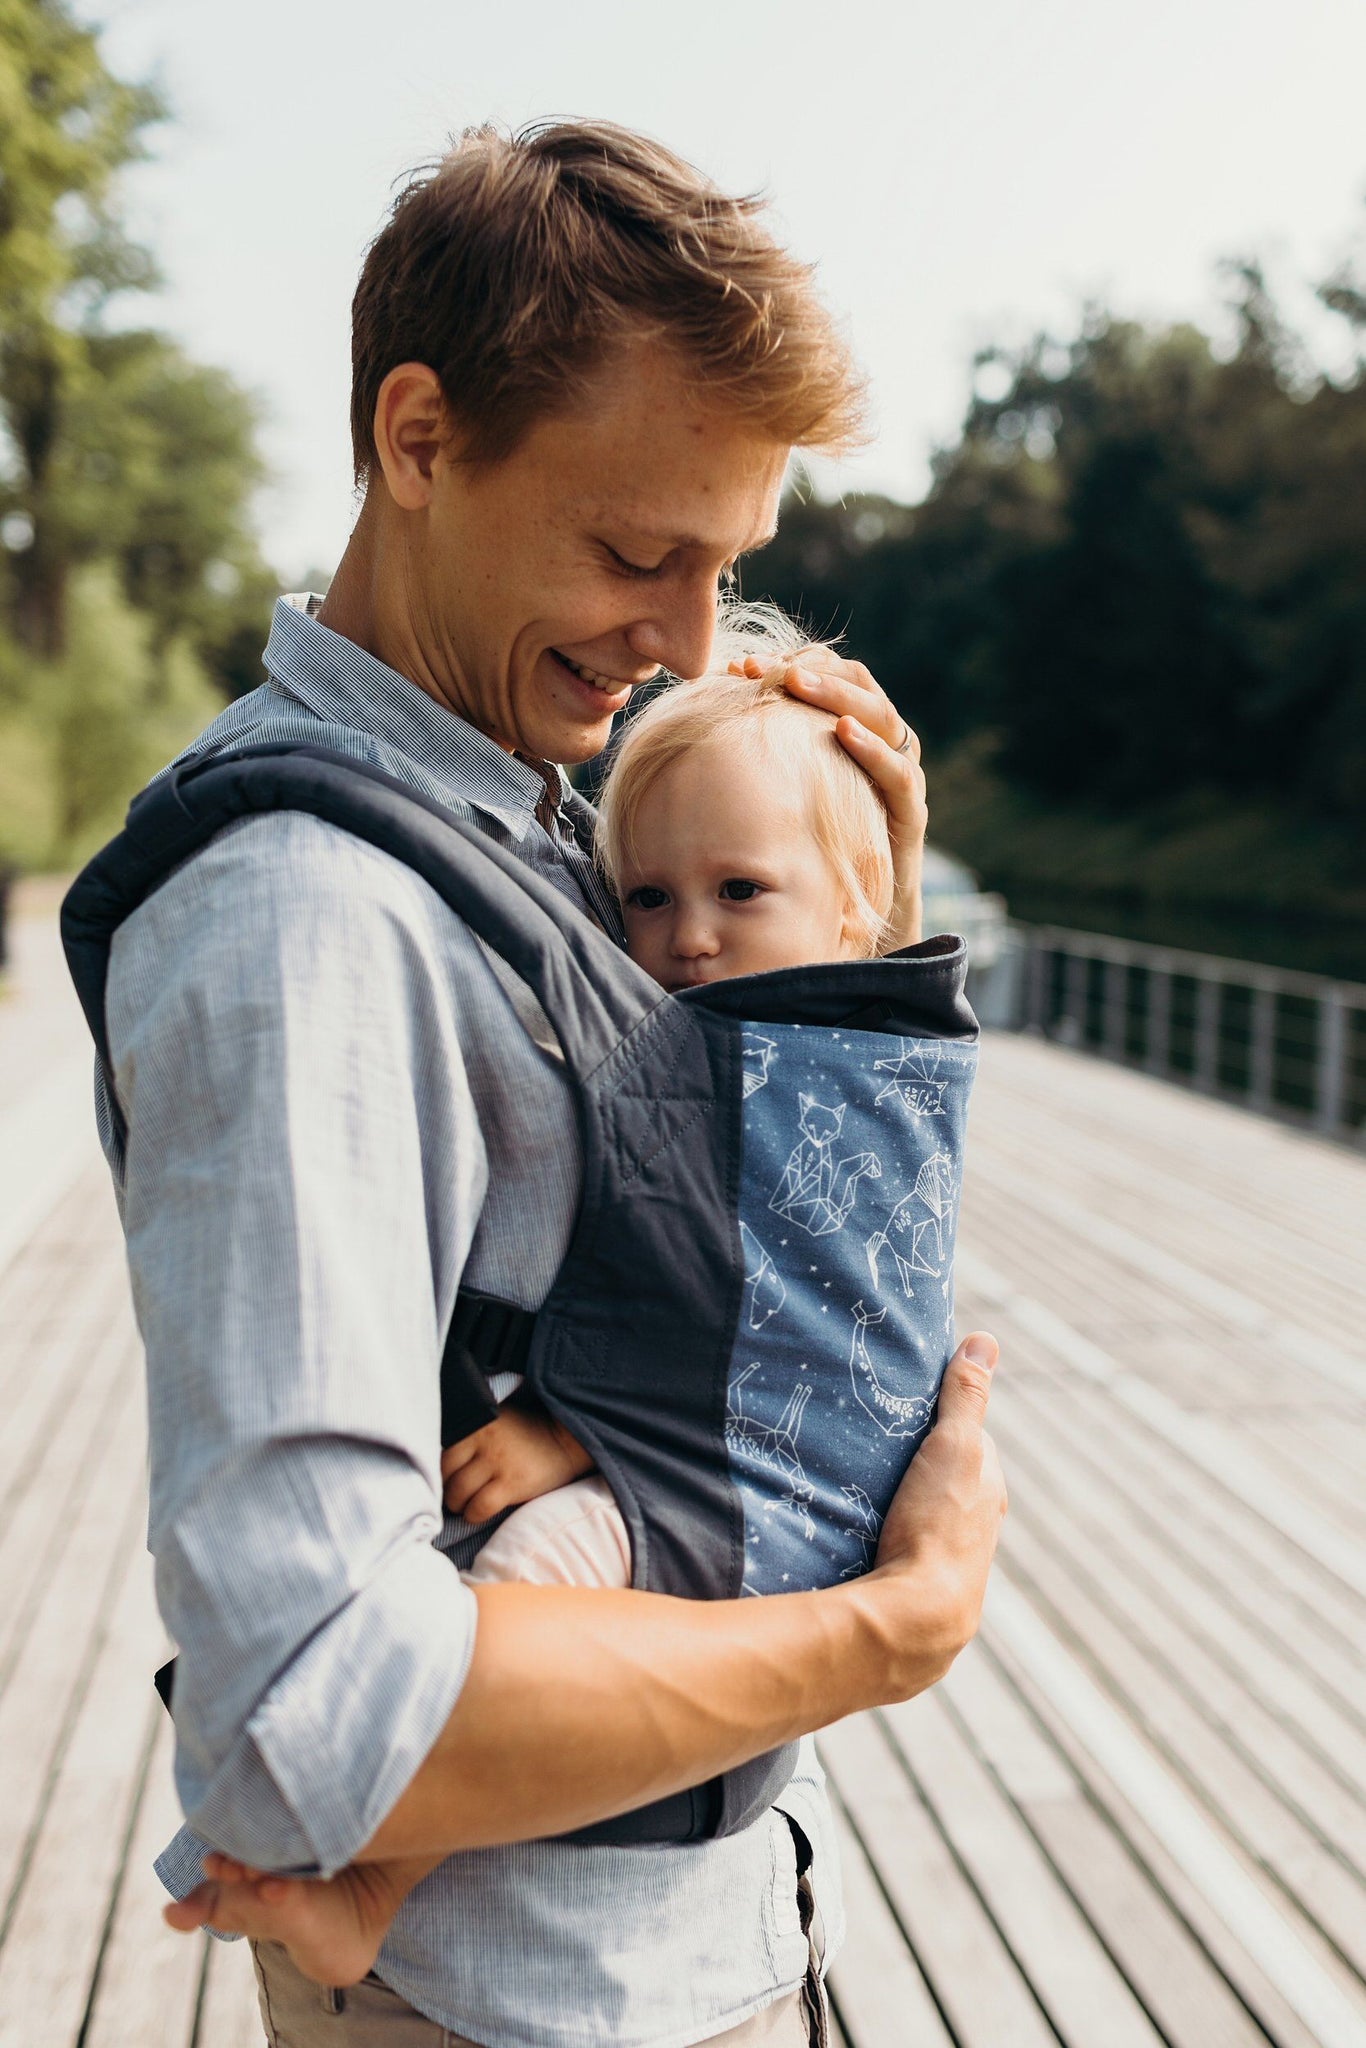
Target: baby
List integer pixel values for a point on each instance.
(740, 837)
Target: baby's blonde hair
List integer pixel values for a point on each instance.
(847, 819)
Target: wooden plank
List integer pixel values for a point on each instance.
(876, 1985)
(48, 1681)
(1173, 1974)
(1073, 1253)
(1311, 1982)
(56, 1362)
(70, 1457)
(1201, 1587)
(1306, 1607)
(976, 1982)
(65, 1888)
(1285, 1218)
(1051, 1706)
(47, 1138)
(1237, 1802)
(1083, 1994)
(1233, 1170)
(147, 1990)
(1312, 1757)
(1208, 1444)
(230, 2015)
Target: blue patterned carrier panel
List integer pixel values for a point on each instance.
(853, 1152)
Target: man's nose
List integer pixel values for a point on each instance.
(681, 629)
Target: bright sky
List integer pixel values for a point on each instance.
(962, 170)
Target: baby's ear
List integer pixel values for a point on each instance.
(855, 942)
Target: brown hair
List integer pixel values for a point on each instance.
(515, 265)
(845, 814)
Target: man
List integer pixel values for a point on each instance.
(579, 371)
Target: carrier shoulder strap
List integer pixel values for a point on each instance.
(591, 992)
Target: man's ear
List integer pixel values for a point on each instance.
(412, 427)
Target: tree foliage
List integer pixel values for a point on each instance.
(1139, 577)
(126, 469)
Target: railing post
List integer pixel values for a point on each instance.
(1330, 1073)
(1158, 1050)
(1207, 994)
(1036, 984)
(1114, 1008)
(1074, 996)
(1261, 1076)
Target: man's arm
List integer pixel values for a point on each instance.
(305, 1172)
(578, 1705)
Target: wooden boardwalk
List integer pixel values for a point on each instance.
(1134, 1813)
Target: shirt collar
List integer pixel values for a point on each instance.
(345, 685)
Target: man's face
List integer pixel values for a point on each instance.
(544, 588)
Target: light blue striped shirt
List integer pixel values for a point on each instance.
(338, 1110)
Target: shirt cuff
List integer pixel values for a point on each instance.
(343, 1732)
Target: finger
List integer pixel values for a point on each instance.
(967, 1382)
(842, 686)
(900, 782)
(895, 767)
(456, 1455)
(194, 1911)
(464, 1484)
(490, 1500)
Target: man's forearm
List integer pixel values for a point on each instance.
(583, 1704)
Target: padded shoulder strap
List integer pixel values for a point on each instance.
(591, 992)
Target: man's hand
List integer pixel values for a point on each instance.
(941, 1530)
(874, 733)
(521, 1454)
(653, 1693)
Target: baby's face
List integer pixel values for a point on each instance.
(725, 877)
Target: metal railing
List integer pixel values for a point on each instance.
(1280, 1041)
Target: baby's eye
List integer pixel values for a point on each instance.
(738, 890)
(647, 898)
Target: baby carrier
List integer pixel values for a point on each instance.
(750, 1325)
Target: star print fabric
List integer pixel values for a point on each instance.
(852, 1169)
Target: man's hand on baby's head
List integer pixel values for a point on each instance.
(872, 731)
(523, 1453)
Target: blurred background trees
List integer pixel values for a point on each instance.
(130, 580)
(1129, 619)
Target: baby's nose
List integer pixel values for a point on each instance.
(693, 937)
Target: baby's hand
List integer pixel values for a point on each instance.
(522, 1453)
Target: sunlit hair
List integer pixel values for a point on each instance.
(758, 719)
(519, 263)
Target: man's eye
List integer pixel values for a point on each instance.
(625, 567)
(737, 890)
(647, 899)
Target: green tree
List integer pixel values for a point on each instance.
(67, 127)
(130, 578)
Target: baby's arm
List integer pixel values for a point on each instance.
(522, 1453)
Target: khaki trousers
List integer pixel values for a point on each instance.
(297, 2013)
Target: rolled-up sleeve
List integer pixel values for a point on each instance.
(304, 1173)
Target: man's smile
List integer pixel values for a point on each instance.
(611, 692)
